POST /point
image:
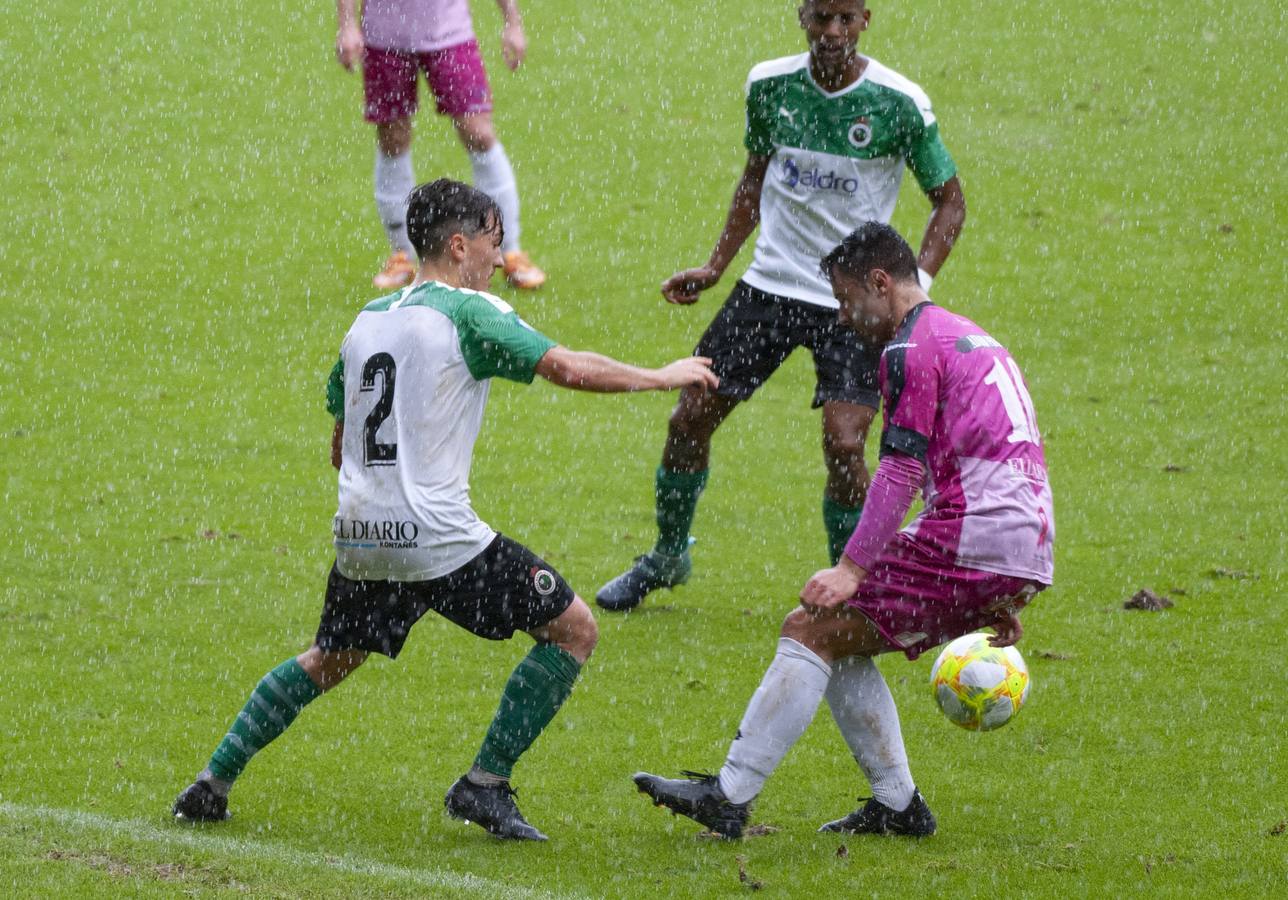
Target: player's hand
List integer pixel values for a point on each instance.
(349, 46)
(829, 588)
(695, 371)
(684, 287)
(1008, 628)
(514, 45)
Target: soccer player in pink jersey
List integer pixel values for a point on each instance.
(396, 40)
(959, 424)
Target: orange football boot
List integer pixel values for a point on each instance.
(521, 272)
(398, 272)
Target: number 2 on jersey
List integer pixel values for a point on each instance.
(1015, 397)
(374, 452)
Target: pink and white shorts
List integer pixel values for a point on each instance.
(918, 601)
(455, 76)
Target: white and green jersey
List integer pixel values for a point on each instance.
(836, 160)
(410, 387)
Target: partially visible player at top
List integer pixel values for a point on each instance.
(959, 424)
(408, 394)
(396, 40)
(829, 133)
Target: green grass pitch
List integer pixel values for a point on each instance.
(187, 234)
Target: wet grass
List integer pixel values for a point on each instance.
(188, 234)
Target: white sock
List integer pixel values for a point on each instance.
(864, 710)
(218, 785)
(393, 182)
(494, 177)
(484, 778)
(778, 714)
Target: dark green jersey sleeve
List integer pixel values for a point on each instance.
(496, 342)
(928, 158)
(335, 391)
(760, 117)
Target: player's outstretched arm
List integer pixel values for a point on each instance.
(584, 371)
(947, 216)
(744, 215)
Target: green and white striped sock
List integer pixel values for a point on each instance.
(272, 707)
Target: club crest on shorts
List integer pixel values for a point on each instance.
(860, 134)
(543, 580)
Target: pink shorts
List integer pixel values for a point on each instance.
(918, 601)
(455, 76)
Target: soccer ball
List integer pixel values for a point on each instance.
(979, 686)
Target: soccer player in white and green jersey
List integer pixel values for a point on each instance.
(829, 133)
(408, 395)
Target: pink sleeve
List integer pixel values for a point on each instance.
(894, 486)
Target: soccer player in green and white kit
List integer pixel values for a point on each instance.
(408, 395)
(829, 133)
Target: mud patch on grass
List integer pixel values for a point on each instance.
(1149, 601)
(1150, 862)
(118, 867)
(760, 830)
(1234, 574)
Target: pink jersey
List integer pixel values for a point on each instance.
(416, 25)
(955, 399)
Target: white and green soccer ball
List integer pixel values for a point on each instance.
(979, 686)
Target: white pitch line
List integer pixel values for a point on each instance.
(141, 830)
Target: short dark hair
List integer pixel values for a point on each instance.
(442, 208)
(873, 245)
(862, 3)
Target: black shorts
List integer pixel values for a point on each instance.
(506, 588)
(754, 332)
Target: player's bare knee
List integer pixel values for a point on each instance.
(845, 431)
(476, 132)
(589, 628)
(586, 639)
(576, 632)
(689, 430)
(326, 669)
(394, 137)
(817, 632)
(844, 447)
(581, 643)
(796, 626)
(685, 424)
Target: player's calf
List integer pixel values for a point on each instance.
(271, 708)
